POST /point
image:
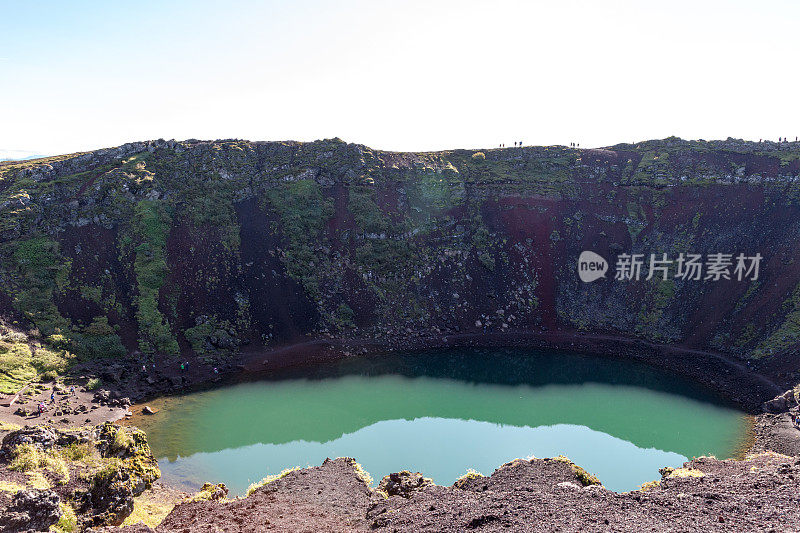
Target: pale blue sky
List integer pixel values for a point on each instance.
(415, 75)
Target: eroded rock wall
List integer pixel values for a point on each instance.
(208, 247)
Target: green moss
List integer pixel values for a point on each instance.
(432, 193)
(343, 317)
(367, 215)
(584, 477)
(470, 475)
(150, 229)
(303, 212)
(98, 339)
(652, 311)
(202, 336)
(39, 272)
(93, 293)
(22, 361)
(68, 522)
(788, 333)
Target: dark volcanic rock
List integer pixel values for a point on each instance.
(403, 483)
(44, 437)
(31, 510)
(781, 403)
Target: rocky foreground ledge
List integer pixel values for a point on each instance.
(760, 493)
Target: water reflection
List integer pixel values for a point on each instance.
(442, 413)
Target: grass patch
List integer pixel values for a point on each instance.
(8, 426)
(25, 457)
(209, 491)
(23, 362)
(68, 523)
(93, 384)
(650, 485)
(76, 452)
(10, 486)
(29, 458)
(269, 479)
(582, 475)
(37, 481)
(462, 481)
(149, 509)
(681, 472)
(362, 474)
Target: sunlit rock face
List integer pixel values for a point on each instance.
(206, 247)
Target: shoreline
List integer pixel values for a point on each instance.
(737, 381)
(734, 381)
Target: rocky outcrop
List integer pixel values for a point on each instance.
(211, 491)
(781, 403)
(403, 483)
(98, 480)
(31, 510)
(44, 437)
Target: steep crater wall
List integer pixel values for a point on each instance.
(210, 248)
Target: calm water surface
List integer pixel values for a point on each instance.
(442, 413)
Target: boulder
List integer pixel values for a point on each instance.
(781, 403)
(403, 483)
(43, 437)
(111, 495)
(31, 510)
(210, 491)
(113, 374)
(102, 396)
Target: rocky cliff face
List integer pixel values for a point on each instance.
(205, 247)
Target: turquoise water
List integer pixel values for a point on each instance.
(442, 413)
